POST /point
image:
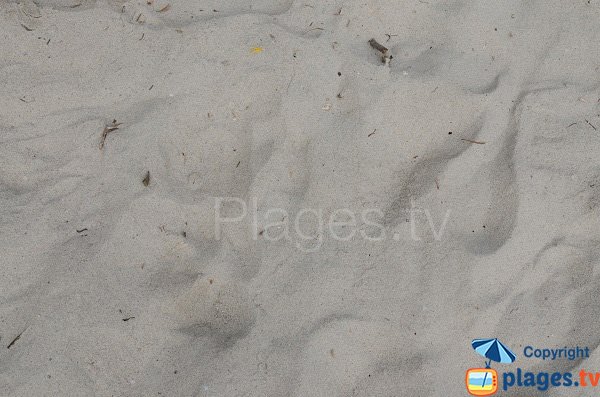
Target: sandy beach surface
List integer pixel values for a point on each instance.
(245, 198)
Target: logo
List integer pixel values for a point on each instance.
(484, 381)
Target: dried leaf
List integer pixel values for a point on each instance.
(146, 180)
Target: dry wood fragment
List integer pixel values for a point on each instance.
(472, 141)
(378, 46)
(385, 58)
(108, 129)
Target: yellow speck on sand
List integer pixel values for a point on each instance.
(256, 50)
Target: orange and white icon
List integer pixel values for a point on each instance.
(482, 381)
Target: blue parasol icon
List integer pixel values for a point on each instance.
(493, 350)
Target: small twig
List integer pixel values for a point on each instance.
(80, 230)
(290, 82)
(238, 164)
(108, 129)
(372, 133)
(16, 339)
(591, 125)
(437, 185)
(472, 141)
(128, 318)
(310, 30)
(390, 36)
(571, 125)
